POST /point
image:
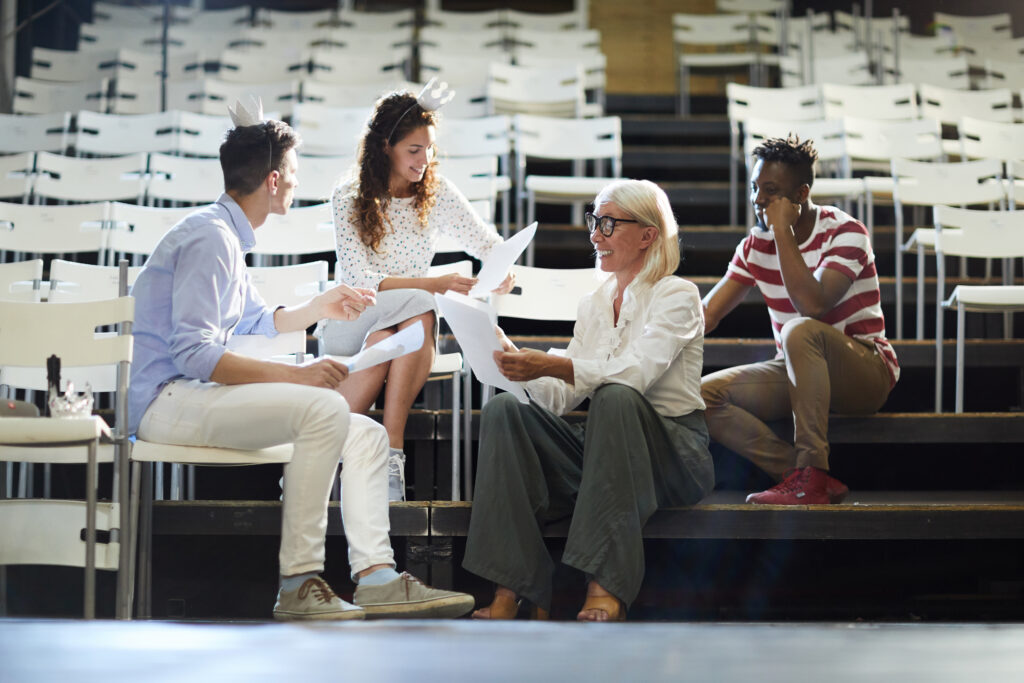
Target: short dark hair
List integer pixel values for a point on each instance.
(249, 153)
(791, 151)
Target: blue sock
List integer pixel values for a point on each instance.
(379, 577)
(292, 583)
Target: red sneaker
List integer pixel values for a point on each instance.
(807, 486)
(836, 490)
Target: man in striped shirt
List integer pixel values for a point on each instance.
(816, 271)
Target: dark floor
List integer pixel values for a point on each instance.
(42, 651)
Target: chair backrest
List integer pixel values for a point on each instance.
(304, 20)
(71, 281)
(373, 22)
(868, 139)
(593, 64)
(477, 42)
(69, 65)
(474, 176)
(517, 20)
(981, 139)
(828, 136)
(794, 104)
(986, 27)
(98, 179)
(959, 183)
(547, 293)
(949, 106)
(356, 66)
(751, 6)
(710, 29)
(330, 131)
(140, 64)
(1010, 50)
(556, 138)
(183, 179)
(202, 134)
(949, 72)
(561, 44)
(979, 233)
(34, 132)
(909, 46)
(16, 175)
(289, 285)
(137, 229)
(853, 68)
(303, 230)
(543, 91)
(458, 137)
(883, 102)
(115, 134)
(46, 97)
(343, 96)
(49, 229)
(472, 21)
(216, 94)
(1004, 74)
(318, 176)
(20, 280)
(471, 101)
(455, 69)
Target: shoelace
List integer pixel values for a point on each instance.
(321, 591)
(396, 467)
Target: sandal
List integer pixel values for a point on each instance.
(609, 604)
(504, 608)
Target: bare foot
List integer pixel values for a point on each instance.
(600, 605)
(504, 606)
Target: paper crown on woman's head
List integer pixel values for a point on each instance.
(435, 94)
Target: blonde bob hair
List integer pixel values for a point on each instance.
(647, 203)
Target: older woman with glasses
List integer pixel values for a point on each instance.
(636, 353)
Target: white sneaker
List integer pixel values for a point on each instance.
(396, 476)
(314, 599)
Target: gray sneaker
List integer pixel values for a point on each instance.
(396, 476)
(314, 599)
(409, 598)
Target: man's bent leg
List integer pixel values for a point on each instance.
(254, 416)
(739, 402)
(828, 372)
(364, 495)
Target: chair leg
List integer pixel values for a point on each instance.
(467, 434)
(145, 542)
(90, 533)
(919, 304)
(939, 367)
(960, 314)
(531, 210)
(456, 424)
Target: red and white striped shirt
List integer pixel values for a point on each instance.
(839, 242)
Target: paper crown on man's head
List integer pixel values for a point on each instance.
(246, 114)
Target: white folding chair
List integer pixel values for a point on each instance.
(21, 280)
(16, 176)
(290, 20)
(50, 531)
(77, 179)
(72, 282)
(372, 22)
(41, 229)
(35, 132)
(518, 20)
(118, 134)
(488, 135)
(780, 104)
(318, 176)
(1004, 74)
(853, 68)
(45, 97)
(357, 67)
(578, 141)
(344, 96)
(216, 94)
(950, 106)
(303, 230)
(134, 231)
(920, 183)
(948, 72)
(978, 234)
(593, 64)
(202, 134)
(732, 36)
(463, 21)
(69, 65)
(990, 27)
(183, 180)
(454, 68)
(541, 91)
(543, 43)
(262, 66)
(330, 131)
(986, 139)
(897, 102)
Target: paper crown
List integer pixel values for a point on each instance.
(435, 94)
(247, 115)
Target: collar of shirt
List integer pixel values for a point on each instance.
(238, 221)
(610, 336)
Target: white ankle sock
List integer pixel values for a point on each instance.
(291, 583)
(379, 577)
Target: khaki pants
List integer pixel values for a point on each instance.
(823, 371)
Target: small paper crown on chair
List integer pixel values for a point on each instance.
(435, 94)
(247, 114)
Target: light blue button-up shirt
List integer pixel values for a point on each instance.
(191, 296)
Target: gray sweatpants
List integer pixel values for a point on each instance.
(609, 475)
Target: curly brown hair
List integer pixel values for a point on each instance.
(394, 117)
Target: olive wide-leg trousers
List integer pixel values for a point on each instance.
(608, 474)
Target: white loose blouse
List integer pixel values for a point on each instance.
(407, 248)
(657, 348)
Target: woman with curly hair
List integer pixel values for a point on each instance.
(387, 218)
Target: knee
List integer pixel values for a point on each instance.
(713, 390)
(499, 407)
(367, 441)
(614, 396)
(798, 333)
(328, 410)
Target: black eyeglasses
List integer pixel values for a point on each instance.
(606, 224)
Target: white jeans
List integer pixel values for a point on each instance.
(317, 421)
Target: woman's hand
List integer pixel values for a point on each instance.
(451, 282)
(345, 303)
(507, 284)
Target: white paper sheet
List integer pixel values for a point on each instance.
(405, 341)
(500, 260)
(473, 324)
